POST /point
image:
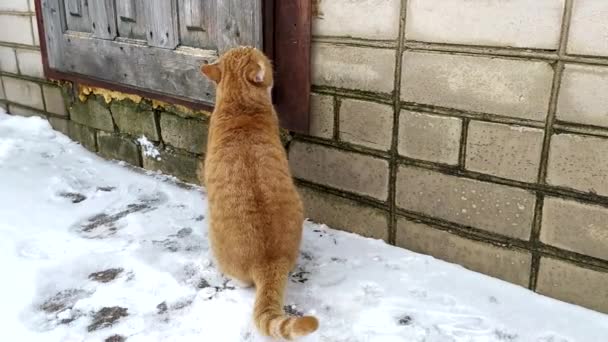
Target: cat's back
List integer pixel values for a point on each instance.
(246, 162)
(252, 198)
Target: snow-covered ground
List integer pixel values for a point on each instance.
(92, 250)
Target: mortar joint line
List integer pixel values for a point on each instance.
(464, 136)
(337, 103)
(393, 153)
(548, 132)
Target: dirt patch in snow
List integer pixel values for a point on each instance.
(106, 276)
(106, 317)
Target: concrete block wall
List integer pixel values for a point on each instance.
(107, 123)
(23, 89)
(474, 131)
(471, 131)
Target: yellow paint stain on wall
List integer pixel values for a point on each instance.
(108, 95)
(85, 91)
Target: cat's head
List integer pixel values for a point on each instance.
(241, 67)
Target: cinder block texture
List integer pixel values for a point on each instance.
(582, 97)
(83, 134)
(509, 87)
(134, 121)
(16, 29)
(346, 171)
(579, 162)
(114, 146)
(54, 100)
(187, 134)
(23, 111)
(94, 112)
(429, 137)
(513, 23)
(366, 123)
(577, 227)
(495, 208)
(180, 165)
(341, 213)
(60, 125)
(353, 67)
(23, 92)
(505, 151)
(8, 61)
(321, 116)
(370, 19)
(507, 264)
(30, 63)
(588, 29)
(574, 284)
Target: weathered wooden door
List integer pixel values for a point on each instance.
(152, 45)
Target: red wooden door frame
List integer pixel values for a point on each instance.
(286, 31)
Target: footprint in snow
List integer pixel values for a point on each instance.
(104, 225)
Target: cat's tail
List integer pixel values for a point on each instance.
(269, 316)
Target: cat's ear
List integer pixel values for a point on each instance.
(212, 71)
(256, 72)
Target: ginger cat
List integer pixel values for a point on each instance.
(256, 213)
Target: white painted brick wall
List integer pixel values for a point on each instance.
(514, 23)
(23, 111)
(35, 32)
(54, 100)
(321, 116)
(353, 67)
(367, 124)
(579, 162)
(352, 172)
(509, 87)
(568, 282)
(492, 207)
(575, 226)
(505, 151)
(30, 63)
(583, 96)
(589, 28)
(371, 19)
(16, 29)
(429, 137)
(14, 5)
(24, 92)
(8, 61)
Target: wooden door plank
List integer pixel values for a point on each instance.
(77, 15)
(103, 18)
(54, 27)
(158, 69)
(239, 22)
(161, 23)
(197, 23)
(74, 7)
(130, 19)
(125, 9)
(194, 17)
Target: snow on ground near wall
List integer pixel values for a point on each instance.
(91, 249)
